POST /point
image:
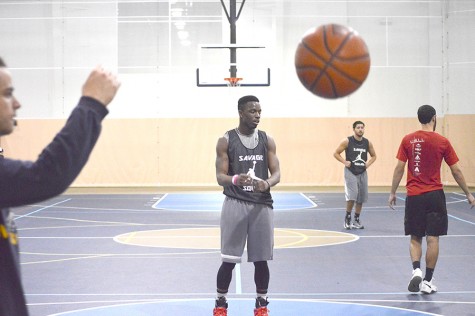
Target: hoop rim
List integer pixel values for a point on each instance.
(233, 81)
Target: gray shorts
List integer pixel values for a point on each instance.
(243, 221)
(356, 186)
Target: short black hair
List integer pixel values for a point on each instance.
(2, 63)
(356, 123)
(425, 113)
(247, 98)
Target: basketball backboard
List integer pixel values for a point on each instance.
(215, 65)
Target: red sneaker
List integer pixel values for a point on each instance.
(220, 311)
(261, 311)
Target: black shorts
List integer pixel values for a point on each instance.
(426, 214)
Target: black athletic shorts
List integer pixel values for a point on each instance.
(426, 214)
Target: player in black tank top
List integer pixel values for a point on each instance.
(357, 153)
(246, 174)
(241, 159)
(356, 149)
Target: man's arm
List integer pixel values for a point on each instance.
(397, 176)
(25, 182)
(460, 179)
(372, 152)
(273, 161)
(222, 163)
(341, 148)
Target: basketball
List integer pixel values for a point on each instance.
(332, 61)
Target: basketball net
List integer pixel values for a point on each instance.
(233, 82)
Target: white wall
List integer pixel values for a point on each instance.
(422, 52)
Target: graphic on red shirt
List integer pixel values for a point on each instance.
(424, 151)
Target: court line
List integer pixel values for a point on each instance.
(161, 301)
(161, 198)
(111, 256)
(161, 254)
(43, 208)
(309, 200)
(460, 219)
(301, 237)
(403, 236)
(276, 295)
(109, 210)
(104, 223)
(333, 301)
(238, 279)
(65, 259)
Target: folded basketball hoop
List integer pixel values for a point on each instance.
(233, 82)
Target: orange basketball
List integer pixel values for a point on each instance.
(332, 61)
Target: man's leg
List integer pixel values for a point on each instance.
(261, 278)
(349, 208)
(361, 198)
(225, 275)
(351, 194)
(356, 221)
(358, 208)
(432, 254)
(415, 250)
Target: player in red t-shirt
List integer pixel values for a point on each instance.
(425, 211)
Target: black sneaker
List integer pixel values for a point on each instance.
(261, 302)
(221, 302)
(347, 224)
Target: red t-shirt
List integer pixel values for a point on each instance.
(424, 151)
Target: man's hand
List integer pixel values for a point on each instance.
(392, 200)
(471, 200)
(101, 85)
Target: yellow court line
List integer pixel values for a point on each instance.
(304, 238)
(130, 237)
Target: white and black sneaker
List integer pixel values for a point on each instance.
(415, 283)
(427, 287)
(357, 224)
(347, 223)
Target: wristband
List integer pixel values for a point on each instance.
(268, 183)
(235, 179)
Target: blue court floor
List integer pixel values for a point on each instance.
(158, 254)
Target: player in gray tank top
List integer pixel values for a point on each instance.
(246, 166)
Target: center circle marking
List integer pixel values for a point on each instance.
(209, 238)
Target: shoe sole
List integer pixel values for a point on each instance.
(427, 292)
(414, 284)
(354, 227)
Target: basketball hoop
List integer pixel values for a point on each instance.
(233, 82)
